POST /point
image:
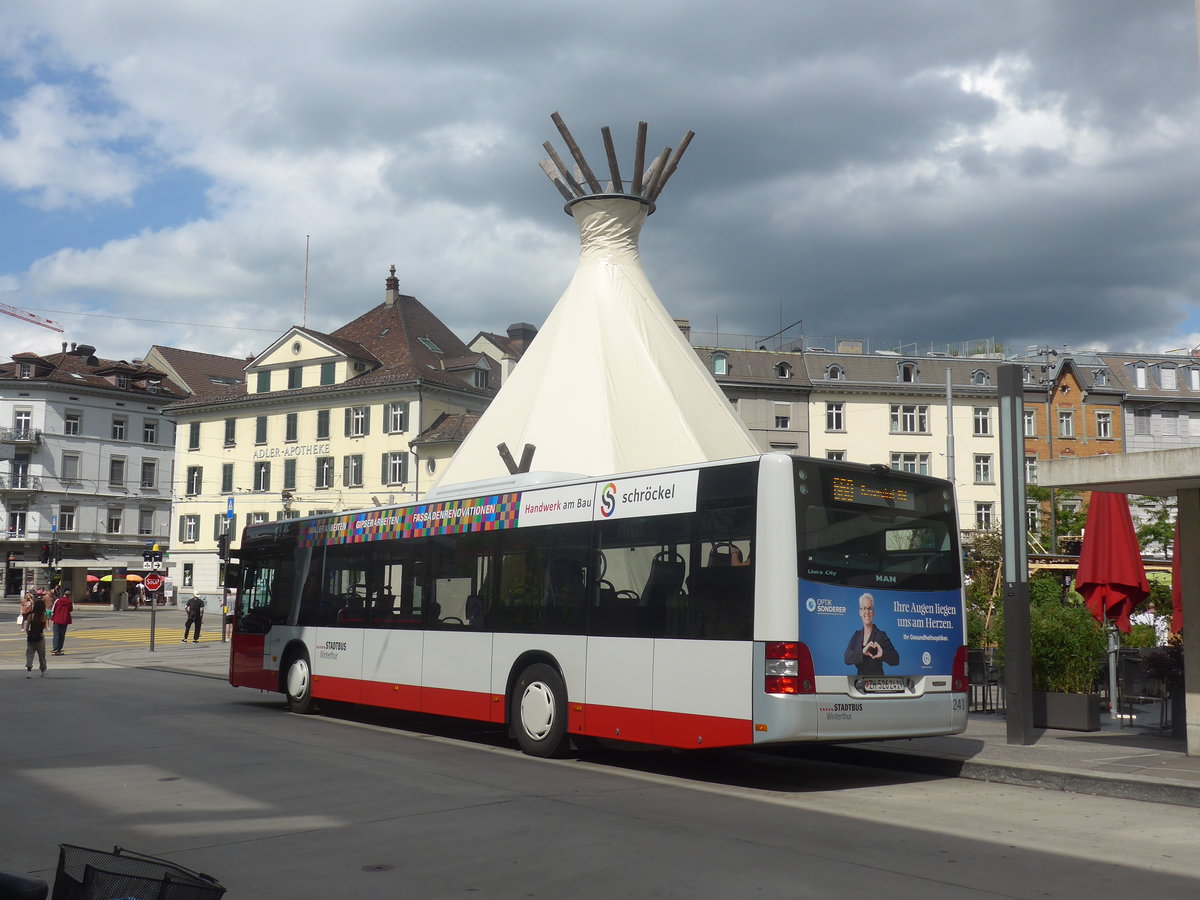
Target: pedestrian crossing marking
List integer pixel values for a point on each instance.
(131, 634)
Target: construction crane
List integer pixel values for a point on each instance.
(29, 317)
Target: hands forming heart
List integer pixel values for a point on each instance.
(872, 650)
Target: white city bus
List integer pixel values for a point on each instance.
(711, 605)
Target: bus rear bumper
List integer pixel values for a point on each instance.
(838, 717)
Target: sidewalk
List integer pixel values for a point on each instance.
(1113, 762)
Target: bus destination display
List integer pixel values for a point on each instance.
(848, 489)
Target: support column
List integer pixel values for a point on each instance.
(1189, 576)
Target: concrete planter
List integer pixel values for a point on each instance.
(1069, 712)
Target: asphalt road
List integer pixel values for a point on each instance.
(377, 805)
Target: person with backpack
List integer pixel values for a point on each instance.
(35, 638)
(195, 613)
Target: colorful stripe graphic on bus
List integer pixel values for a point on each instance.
(872, 632)
(489, 513)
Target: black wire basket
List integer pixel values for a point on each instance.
(85, 874)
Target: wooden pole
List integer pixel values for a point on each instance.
(552, 173)
(687, 139)
(612, 159)
(562, 168)
(658, 167)
(577, 154)
(639, 157)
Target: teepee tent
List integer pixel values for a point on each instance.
(609, 384)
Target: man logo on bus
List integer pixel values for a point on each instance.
(608, 500)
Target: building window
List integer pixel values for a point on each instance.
(1169, 420)
(322, 424)
(917, 463)
(73, 423)
(17, 518)
(909, 419)
(1139, 375)
(1103, 424)
(1031, 470)
(289, 474)
(1166, 377)
(149, 473)
(835, 417)
(1194, 375)
(123, 382)
(397, 417)
(1141, 421)
(358, 421)
(983, 421)
(783, 415)
(909, 373)
(1026, 375)
(1030, 423)
(980, 377)
(264, 382)
(23, 424)
(116, 472)
(70, 467)
(984, 515)
(836, 455)
(189, 529)
(262, 476)
(145, 522)
(983, 468)
(258, 518)
(1100, 377)
(193, 435)
(324, 472)
(295, 377)
(327, 373)
(352, 470)
(26, 370)
(195, 476)
(1033, 518)
(149, 431)
(260, 430)
(118, 428)
(188, 574)
(1066, 423)
(480, 378)
(291, 427)
(66, 518)
(783, 370)
(226, 478)
(395, 467)
(720, 364)
(231, 432)
(835, 373)
(113, 520)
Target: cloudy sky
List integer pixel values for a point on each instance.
(901, 170)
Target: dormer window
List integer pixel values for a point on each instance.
(783, 370)
(835, 373)
(1100, 377)
(1166, 378)
(25, 370)
(980, 377)
(720, 364)
(481, 378)
(123, 382)
(1194, 374)
(1026, 375)
(154, 385)
(909, 373)
(1139, 375)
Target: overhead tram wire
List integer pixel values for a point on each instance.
(66, 312)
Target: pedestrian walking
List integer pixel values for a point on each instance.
(35, 638)
(195, 614)
(60, 618)
(26, 609)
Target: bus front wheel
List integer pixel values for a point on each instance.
(539, 712)
(298, 684)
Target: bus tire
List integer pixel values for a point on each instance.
(297, 683)
(538, 712)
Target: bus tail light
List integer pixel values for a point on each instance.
(959, 682)
(789, 669)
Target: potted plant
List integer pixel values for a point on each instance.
(1068, 648)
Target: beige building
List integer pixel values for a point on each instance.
(322, 422)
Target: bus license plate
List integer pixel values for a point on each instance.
(883, 686)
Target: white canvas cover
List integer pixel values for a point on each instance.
(609, 384)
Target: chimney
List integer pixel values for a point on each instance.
(392, 289)
(64, 349)
(521, 333)
(686, 327)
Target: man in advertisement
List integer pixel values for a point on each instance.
(870, 647)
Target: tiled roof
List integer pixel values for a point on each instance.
(448, 428)
(82, 368)
(203, 374)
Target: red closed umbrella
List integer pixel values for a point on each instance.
(1111, 576)
(1176, 582)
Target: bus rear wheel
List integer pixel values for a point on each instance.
(297, 684)
(538, 712)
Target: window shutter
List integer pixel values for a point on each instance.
(366, 420)
(404, 466)
(404, 416)
(217, 525)
(384, 470)
(348, 421)
(345, 470)
(182, 528)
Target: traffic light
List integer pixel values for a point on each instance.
(45, 554)
(156, 556)
(58, 552)
(223, 545)
(146, 558)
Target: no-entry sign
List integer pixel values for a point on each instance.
(153, 581)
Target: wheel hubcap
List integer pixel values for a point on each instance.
(537, 710)
(297, 680)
